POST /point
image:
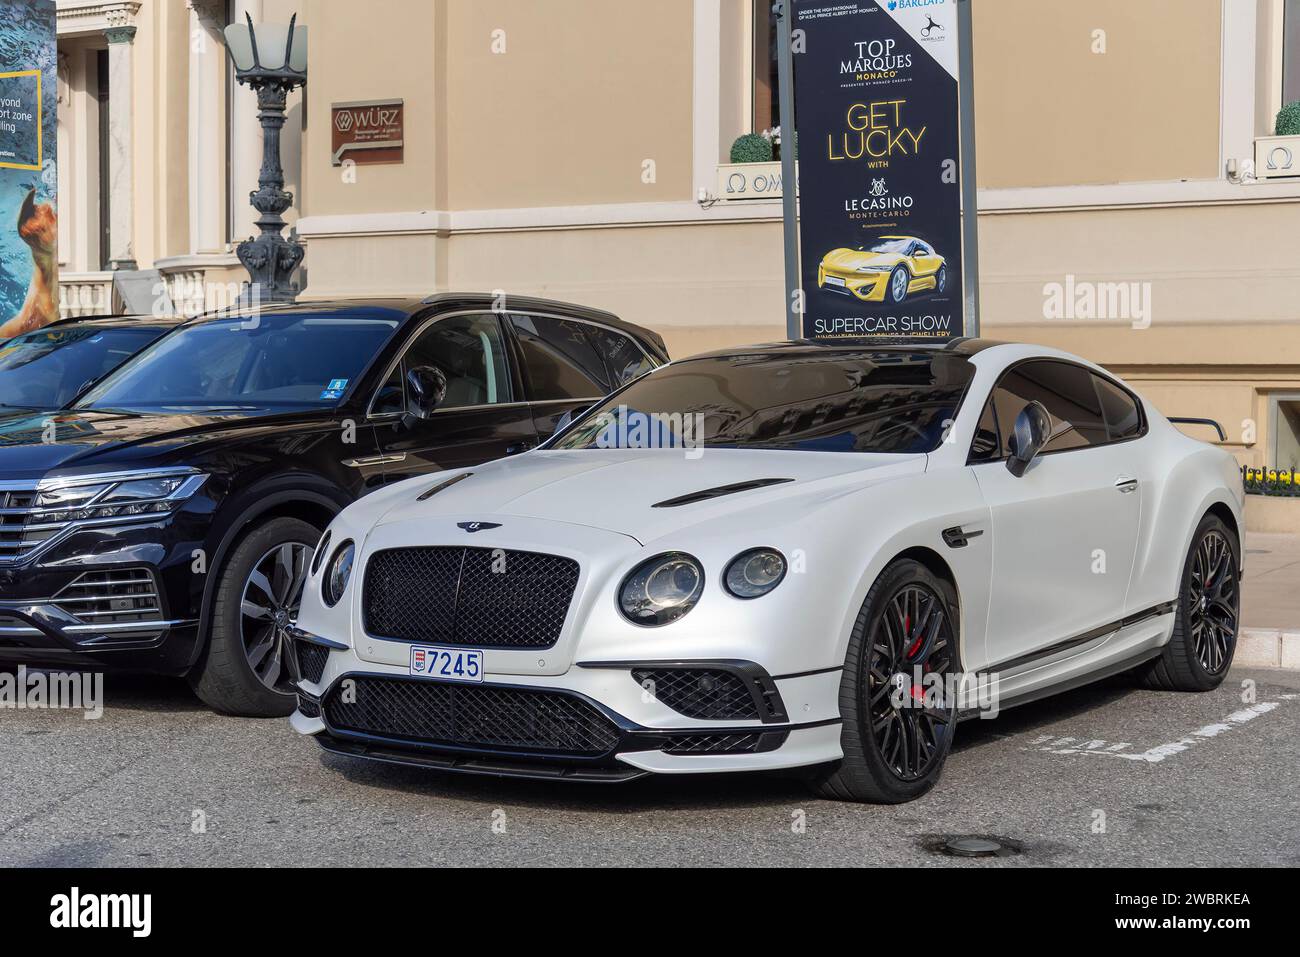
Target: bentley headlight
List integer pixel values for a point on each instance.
(338, 574)
(662, 590)
(755, 573)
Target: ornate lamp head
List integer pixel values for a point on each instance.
(268, 54)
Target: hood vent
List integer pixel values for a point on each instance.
(443, 486)
(722, 490)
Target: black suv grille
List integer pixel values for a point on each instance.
(15, 513)
(112, 598)
(311, 660)
(478, 716)
(480, 597)
(706, 695)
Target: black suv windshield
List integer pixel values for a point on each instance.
(286, 362)
(47, 369)
(805, 401)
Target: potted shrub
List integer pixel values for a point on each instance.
(752, 148)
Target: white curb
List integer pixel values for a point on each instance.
(1291, 650)
(1262, 648)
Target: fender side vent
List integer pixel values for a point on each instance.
(722, 490)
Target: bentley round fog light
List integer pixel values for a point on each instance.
(755, 573)
(338, 574)
(662, 590)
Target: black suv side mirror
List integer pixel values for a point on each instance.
(426, 389)
(1033, 427)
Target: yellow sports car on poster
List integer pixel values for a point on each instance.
(887, 270)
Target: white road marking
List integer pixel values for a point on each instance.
(1056, 745)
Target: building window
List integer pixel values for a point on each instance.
(767, 100)
(103, 248)
(1291, 52)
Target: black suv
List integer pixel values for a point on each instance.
(165, 521)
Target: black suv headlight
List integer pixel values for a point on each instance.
(338, 574)
(662, 589)
(119, 496)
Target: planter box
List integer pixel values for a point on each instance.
(739, 182)
(1277, 157)
(1273, 513)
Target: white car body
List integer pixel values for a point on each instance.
(1067, 574)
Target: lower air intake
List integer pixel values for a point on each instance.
(472, 716)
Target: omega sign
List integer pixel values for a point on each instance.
(368, 132)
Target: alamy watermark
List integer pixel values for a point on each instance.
(24, 690)
(627, 428)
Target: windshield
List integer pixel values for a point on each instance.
(900, 246)
(824, 402)
(272, 363)
(47, 369)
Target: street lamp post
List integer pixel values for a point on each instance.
(271, 60)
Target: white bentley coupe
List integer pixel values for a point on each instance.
(786, 556)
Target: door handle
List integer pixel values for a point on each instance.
(375, 460)
(1126, 485)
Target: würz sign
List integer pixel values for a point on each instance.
(368, 132)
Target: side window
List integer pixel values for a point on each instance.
(987, 446)
(469, 351)
(560, 360)
(624, 359)
(1120, 409)
(1065, 390)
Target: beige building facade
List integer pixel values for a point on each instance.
(571, 148)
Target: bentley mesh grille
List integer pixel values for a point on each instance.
(474, 716)
(311, 660)
(713, 744)
(706, 695)
(477, 597)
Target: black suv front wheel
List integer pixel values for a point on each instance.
(247, 666)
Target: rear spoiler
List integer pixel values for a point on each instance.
(1223, 436)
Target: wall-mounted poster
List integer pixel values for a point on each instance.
(29, 284)
(878, 117)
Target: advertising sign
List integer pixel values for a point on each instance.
(29, 285)
(877, 109)
(368, 133)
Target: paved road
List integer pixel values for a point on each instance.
(1181, 779)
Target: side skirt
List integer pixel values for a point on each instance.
(1071, 684)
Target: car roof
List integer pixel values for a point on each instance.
(960, 347)
(117, 322)
(404, 309)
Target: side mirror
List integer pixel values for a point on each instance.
(426, 389)
(1033, 427)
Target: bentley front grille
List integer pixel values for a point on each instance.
(476, 597)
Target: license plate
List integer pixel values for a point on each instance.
(835, 281)
(447, 664)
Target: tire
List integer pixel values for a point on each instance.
(891, 294)
(1207, 619)
(227, 678)
(941, 280)
(870, 770)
